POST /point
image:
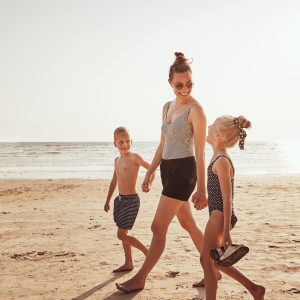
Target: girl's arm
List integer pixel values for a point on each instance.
(198, 121)
(111, 189)
(223, 169)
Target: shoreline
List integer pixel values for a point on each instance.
(58, 243)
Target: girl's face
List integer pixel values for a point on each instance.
(182, 85)
(213, 132)
(123, 142)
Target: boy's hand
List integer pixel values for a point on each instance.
(106, 206)
(146, 184)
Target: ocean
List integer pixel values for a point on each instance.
(94, 160)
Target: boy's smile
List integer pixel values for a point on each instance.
(123, 142)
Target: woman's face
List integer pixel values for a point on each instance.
(182, 85)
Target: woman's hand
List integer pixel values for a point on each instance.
(200, 201)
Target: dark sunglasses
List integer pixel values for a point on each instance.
(179, 86)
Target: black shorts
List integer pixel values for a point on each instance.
(178, 177)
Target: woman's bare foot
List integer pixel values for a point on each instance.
(130, 286)
(258, 292)
(201, 283)
(124, 268)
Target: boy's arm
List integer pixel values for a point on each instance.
(111, 189)
(223, 169)
(141, 162)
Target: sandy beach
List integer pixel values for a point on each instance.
(58, 243)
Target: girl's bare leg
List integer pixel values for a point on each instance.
(188, 223)
(212, 239)
(166, 210)
(257, 291)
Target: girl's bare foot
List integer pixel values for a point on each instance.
(124, 268)
(258, 292)
(130, 286)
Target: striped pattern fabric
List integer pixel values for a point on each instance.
(178, 137)
(126, 208)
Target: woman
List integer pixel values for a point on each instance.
(183, 131)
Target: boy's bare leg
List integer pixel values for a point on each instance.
(166, 210)
(128, 266)
(136, 243)
(187, 221)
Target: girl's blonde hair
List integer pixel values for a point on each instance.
(233, 130)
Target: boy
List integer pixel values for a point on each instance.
(126, 205)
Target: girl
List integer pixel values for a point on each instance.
(223, 134)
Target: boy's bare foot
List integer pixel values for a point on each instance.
(124, 268)
(258, 292)
(130, 286)
(201, 283)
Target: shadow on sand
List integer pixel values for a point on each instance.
(98, 287)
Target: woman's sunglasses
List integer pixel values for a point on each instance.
(179, 86)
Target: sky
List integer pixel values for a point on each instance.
(75, 70)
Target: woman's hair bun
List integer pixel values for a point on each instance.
(180, 58)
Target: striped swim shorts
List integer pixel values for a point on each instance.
(126, 208)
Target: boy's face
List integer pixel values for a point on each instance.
(123, 142)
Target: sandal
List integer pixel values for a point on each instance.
(228, 257)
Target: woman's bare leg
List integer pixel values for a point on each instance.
(166, 210)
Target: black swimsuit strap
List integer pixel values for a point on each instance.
(227, 158)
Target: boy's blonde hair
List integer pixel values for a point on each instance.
(120, 130)
(233, 130)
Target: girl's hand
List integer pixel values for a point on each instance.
(226, 240)
(146, 184)
(106, 206)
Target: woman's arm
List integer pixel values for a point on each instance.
(198, 121)
(156, 159)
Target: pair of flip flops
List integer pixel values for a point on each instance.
(230, 256)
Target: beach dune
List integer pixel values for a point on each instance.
(57, 242)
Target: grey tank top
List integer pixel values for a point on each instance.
(178, 137)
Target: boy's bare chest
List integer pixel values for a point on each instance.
(125, 165)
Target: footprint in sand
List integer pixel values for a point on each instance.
(172, 274)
